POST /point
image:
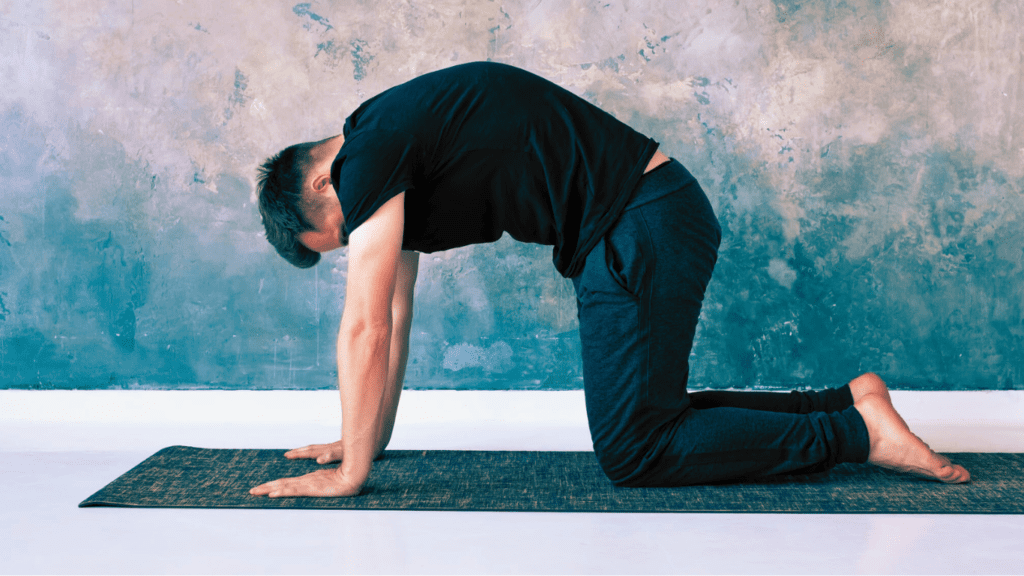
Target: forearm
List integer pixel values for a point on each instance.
(399, 356)
(363, 358)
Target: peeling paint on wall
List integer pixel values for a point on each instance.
(865, 159)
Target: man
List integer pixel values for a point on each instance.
(463, 155)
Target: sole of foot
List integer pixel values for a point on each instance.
(895, 447)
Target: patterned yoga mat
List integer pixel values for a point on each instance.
(186, 477)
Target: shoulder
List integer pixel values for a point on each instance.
(373, 149)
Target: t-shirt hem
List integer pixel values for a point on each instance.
(575, 266)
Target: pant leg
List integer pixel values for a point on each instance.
(639, 298)
(794, 402)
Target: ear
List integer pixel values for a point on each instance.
(322, 183)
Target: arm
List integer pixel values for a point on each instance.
(364, 339)
(401, 317)
(369, 323)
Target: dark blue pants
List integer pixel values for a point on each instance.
(639, 297)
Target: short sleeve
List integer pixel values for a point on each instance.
(372, 167)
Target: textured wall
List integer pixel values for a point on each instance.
(866, 160)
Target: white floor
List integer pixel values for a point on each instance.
(60, 447)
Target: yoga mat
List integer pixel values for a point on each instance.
(186, 477)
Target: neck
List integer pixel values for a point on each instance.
(322, 155)
(329, 147)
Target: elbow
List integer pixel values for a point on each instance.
(401, 315)
(401, 308)
(365, 331)
(401, 320)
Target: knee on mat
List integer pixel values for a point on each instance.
(635, 468)
(634, 477)
(621, 467)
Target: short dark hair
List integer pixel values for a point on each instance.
(280, 185)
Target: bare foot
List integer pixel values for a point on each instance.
(869, 384)
(895, 447)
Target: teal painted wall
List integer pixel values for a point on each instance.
(866, 160)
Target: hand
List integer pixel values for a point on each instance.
(325, 483)
(323, 453)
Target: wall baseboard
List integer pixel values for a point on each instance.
(63, 420)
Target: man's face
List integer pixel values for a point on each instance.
(328, 221)
(320, 241)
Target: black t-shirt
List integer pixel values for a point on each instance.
(485, 148)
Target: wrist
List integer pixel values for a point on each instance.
(349, 486)
(355, 472)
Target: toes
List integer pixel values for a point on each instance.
(948, 472)
(894, 446)
(955, 476)
(965, 476)
(951, 473)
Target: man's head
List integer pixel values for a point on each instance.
(300, 210)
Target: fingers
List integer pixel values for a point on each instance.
(265, 489)
(331, 455)
(322, 483)
(278, 488)
(311, 451)
(319, 483)
(274, 491)
(322, 453)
